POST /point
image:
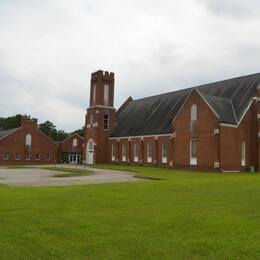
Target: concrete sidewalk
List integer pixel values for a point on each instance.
(40, 177)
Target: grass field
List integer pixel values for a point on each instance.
(187, 215)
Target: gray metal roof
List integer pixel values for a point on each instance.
(5, 133)
(153, 115)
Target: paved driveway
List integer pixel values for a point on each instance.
(40, 177)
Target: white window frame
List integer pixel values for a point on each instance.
(17, 158)
(107, 123)
(113, 154)
(37, 159)
(243, 152)
(47, 158)
(75, 142)
(27, 158)
(136, 152)
(193, 113)
(193, 160)
(5, 156)
(94, 94)
(28, 140)
(164, 150)
(123, 147)
(106, 94)
(149, 150)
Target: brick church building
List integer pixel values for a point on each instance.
(214, 126)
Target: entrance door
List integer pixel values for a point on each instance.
(90, 152)
(72, 158)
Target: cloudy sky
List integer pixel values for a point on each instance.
(49, 48)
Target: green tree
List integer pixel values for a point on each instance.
(12, 121)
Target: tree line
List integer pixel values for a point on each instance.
(47, 127)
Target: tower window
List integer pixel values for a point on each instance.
(106, 88)
(94, 94)
(106, 121)
(91, 119)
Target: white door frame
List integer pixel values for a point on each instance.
(90, 152)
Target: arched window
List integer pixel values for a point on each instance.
(193, 114)
(28, 141)
(90, 146)
(75, 142)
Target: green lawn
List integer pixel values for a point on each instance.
(187, 215)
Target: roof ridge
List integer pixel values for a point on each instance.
(198, 86)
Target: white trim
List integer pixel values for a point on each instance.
(140, 136)
(248, 107)
(205, 100)
(72, 136)
(181, 107)
(228, 125)
(236, 171)
(37, 128)
(100, 106)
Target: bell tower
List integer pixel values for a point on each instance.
(100, 117)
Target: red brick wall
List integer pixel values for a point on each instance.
(67, 145)
(15, 143)
(96, 132)
(208, 151)
(230, 143)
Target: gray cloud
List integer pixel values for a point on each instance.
(49, 48)
(235, 9)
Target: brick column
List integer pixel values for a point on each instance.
(258, 133)
(171, 159)
(142, 151)
(156, 150)
(129, 151)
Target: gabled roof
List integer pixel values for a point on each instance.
(153, 115)
(70, 136)
(5, 133)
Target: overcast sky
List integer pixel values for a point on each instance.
(49, 48)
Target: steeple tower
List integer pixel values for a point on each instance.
(100, 117)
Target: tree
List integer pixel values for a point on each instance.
(79, 132)
(12, 121)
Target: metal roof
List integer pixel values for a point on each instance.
(153, 115)
(5, 133)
